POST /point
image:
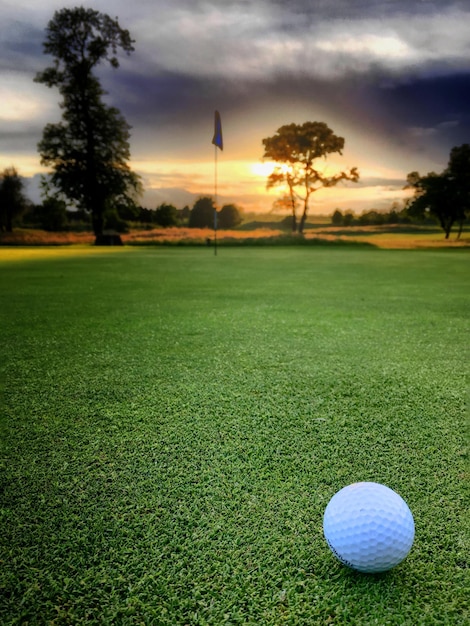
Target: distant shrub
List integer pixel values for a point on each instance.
(51, 215)
(229, 216)
(166, 215)
(337, 218)
(202, 214)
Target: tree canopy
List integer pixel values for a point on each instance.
(89, 150)
(444, 196)
(299, 150)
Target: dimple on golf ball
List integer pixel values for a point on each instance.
(368, 527)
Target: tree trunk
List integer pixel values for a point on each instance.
(446, 224)
(303, 218)
(97, 220)
(9, 221)
(292, 201)
(294, 222)
(448, 228)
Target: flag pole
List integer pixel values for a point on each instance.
(215, 202)
(218, 143)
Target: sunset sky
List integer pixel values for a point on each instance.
(390, 76)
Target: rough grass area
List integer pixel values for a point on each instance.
(394, 237)
(258, 233)
(174, 424)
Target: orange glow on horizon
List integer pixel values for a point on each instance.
(242, 182)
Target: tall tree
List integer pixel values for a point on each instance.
(444, 196)
(12, 200)
(298, 150)
(89, 150)
(458, 172)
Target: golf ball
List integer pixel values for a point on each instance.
(368, 527)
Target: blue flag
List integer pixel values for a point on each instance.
(217, 139)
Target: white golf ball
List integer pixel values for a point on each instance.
(368, 527)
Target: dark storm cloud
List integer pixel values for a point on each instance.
(422, 111)
(199, 52)
(168, 96)
(429, 112)
(332, 9)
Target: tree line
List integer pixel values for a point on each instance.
(53, 214)
(88, 152)
(393, 216)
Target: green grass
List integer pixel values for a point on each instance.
(174, 424)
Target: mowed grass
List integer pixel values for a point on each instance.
(174, 425)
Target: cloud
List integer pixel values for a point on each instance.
(261, 40)
(368, 44)
(257, 40)
(422, 131)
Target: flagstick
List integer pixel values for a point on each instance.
(218, 143)
(215, 207)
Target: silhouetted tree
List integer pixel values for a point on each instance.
(12, 200)
(166, 215)
(184, 213)
(393, 216)
(444, 196)
(89, 150)
(52, 214)
(229, 216)
(297, 148)
(202, 213)
(337, 218)
(458, 172)
(145, 216)
(371, 218)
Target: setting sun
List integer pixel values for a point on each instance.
(267, 168)
(263, 169)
